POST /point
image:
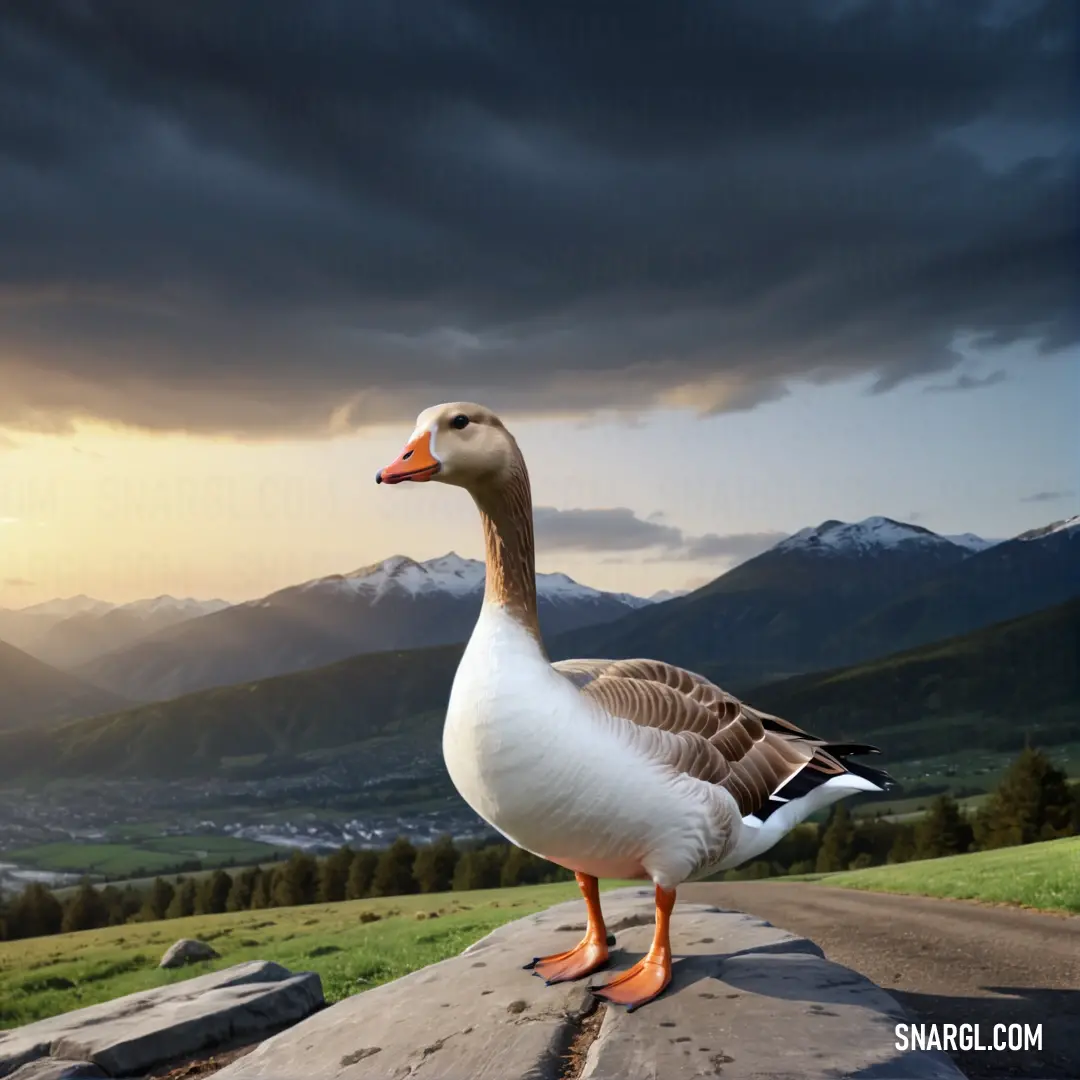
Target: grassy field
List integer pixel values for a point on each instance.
(40, 977)
(140, 857)
(1045, 876)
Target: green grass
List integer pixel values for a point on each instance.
(41, 977)
(1044, 876)
(149, 855)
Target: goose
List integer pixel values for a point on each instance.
(627, 769)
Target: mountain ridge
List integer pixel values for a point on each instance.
(402, 695)
(397, 603)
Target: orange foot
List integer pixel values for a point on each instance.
(583, 959)
(649, 977)
(590, 954)
(646, 980)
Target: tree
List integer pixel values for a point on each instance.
(434, 866)
(243, 887)
(1033, 802)
(522, 868)
(480, 868)
(836, 844)
(262, 891)
(334, 875)
(158, 898)
(183, 901)
(903, 848)
(34, 912)
(943, 830)
(361, 874)
(85, 910)
(394, 871)
(297, 882)
(213, 895)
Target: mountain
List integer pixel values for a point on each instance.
(86, 635)
(395, 604)
(989, 690)
(777, 613)
(63, 608)
(985, 690)
(1012, 578)
(32, 693)
(71, 630)
(843, 593)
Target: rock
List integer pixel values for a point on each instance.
(747, 1001)
(187, 951)
(57, 1069)
(134, 1033)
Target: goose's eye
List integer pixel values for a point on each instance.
(460, 422)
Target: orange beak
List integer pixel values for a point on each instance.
(415, 462)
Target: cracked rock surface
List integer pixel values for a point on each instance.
(747, 1002)
(131, 1034)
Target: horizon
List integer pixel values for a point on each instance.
(764, 287)
(375, 567)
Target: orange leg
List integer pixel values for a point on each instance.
(651, 974)
(589, 955)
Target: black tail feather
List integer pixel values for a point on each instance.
(857, 768)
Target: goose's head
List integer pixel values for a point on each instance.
(457, 443)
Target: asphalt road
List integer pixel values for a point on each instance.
(948, 961)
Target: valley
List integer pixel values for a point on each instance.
(349, 752)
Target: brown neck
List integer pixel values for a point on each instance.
(506, 515)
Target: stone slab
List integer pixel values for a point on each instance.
(747, 1002)
(50, 1068)
(134, 1033)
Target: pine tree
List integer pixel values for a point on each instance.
(1033, 802)
(361, 874)
(243, 886)
(262, 891)
(943, 830)
(213, 894)
(434, 866)
(903, 847)
(522, 868)
(297, 882)
(85, 910)
(334, 875)
(836, 844)
(34, 912)
(158, 898)
(480, 868)
(394, 872)
(183, 901)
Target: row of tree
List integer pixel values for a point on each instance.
(1033, 802)
(398, 870)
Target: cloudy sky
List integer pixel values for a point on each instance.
(726, 268)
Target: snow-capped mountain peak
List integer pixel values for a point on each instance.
(449, 574)
(1068, 525)
(871, 535)
(971, 542)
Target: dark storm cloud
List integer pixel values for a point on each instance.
(967, 382)
(614, 529)
(257, 216)
(621, 529)
(731, 546)
(1046, 496)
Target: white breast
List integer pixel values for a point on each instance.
(552, 772)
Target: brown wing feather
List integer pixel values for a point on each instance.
(723, 741)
